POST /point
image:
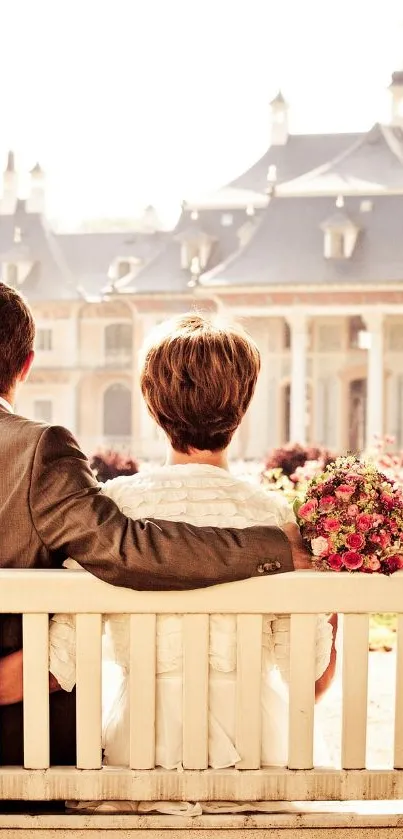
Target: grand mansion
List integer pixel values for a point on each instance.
(305, 249)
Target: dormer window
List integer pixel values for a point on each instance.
(196, 244)
(17, 235)
(123, 267)
(334, 244)
(227, 219)
(340, 236)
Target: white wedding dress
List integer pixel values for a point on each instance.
(203, 496)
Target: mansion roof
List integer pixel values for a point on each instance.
(287, 246)
(373, 164)
(254, 232)
(301, 154)
(26, 238)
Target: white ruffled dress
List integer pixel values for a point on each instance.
(204, 496)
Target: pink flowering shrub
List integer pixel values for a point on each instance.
(387, 461)
(290, 457)
(111, 464)
(351, 517)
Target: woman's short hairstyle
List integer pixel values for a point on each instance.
(17, 334)
(197, 378)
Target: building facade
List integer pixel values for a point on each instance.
(305, 249)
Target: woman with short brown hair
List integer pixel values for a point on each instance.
(197, 376)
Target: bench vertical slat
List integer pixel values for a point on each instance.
(195, 691)
(355, 691)
(302, 691)
(398, 749)
(89, 694)
(248, 690)
(36, 691)
(142, 691)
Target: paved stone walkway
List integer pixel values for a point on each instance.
(380, 712)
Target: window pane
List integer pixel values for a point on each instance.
(44, 339)
(118, 336)
(12, 274)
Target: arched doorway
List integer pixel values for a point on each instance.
(357, 414)
(117, 411)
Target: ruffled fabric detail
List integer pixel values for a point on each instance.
(203, 496)
(62, 650)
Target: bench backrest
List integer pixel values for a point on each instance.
(36, 594)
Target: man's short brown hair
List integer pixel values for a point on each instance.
(17, 334)
(198, 378)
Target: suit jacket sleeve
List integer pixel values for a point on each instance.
(70, 514)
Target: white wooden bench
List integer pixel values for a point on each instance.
(35, 594)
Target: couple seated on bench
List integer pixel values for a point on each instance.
(197, 379)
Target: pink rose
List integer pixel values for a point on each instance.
(388, 500)
(319, 546)
(395, 562)
(344, 492)
(364, 521)
(355, 541)
(384, 538)
(352, 560)
(327, 503)
(372, 563)
(308, 510)
(377, 519)
(352, 510)
(331, 525)
(334, 562)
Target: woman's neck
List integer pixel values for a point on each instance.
(206, 458)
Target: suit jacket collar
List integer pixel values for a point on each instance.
(5, 406)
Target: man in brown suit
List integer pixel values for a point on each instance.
(51, 507)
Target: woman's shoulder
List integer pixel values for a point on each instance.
(206, 494)
(265, 503)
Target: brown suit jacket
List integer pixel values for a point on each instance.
(51, 507)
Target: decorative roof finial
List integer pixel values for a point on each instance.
(195, 271)
(271, 179)
(37, 170)
(278, 100)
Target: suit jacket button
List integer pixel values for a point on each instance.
(260, 569)
(269, 566)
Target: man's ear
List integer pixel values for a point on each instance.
(27, 366)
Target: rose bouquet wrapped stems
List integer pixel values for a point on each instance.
(351, 518)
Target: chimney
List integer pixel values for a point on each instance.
(36, 199)
(10, 187)
(279, 121)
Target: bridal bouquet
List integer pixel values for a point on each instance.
(352, 518)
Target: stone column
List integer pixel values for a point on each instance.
(375, 375)
(298, 326)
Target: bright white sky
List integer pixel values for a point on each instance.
(126, 102)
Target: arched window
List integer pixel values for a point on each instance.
(118, 342)
(12, 274)
(117, 411)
